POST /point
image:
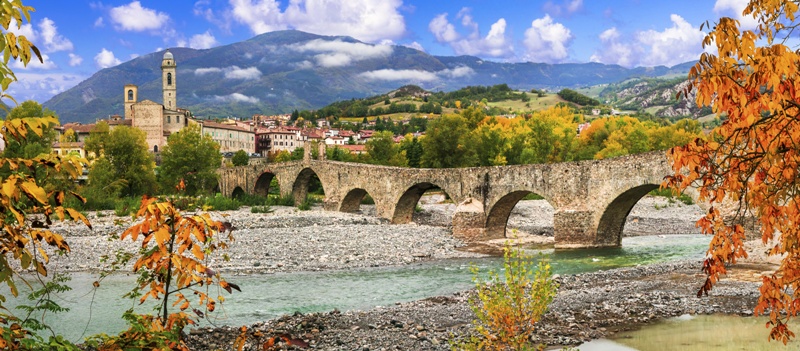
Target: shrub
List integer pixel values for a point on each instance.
(670, 195)
(506, 309)
(367, 200)
(287, 200)
(222, 203)
(125, 206)
(261, 209)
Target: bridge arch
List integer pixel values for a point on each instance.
(612, 221)
(302, 182)
(237, 192)
(404, 209)
(352, 201)
(263, 183)
(497, 217)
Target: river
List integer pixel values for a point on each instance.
(269, 296)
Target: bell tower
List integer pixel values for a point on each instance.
(168, 83)
(130, 98)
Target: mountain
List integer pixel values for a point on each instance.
(281, 71)
(658, 96)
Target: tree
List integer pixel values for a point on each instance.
(192, 157)
(382, 150)
(240, 158)
(413, 149)
(125, 166)
(34, 144)
(445, 144)
(753, 158)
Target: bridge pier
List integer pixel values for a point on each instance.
(577, 228)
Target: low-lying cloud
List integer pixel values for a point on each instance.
(236, 97)
(231, 72)
(337, 53)
(416, 75)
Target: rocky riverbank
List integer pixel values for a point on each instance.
(588, 306)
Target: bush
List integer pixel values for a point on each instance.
(261, 209)
(125, 206)
(221, 203)
(506, 309)
(533, 196)
(307, 203)
(252, 200)
(287, 200)
(670, 195)
(240, 158)
(367, 200)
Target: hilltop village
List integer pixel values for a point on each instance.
(258, 137)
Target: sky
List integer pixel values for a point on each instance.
(78, 38)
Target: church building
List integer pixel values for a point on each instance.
(158, 121)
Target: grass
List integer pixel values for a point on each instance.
(533, 196)
(670, 195)
(536, 103)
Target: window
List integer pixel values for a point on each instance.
(169, 78)
(130, 94)
(168, 119)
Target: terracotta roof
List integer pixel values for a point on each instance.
(354, 148)
(77, 127)
(121, 122)
(215, 125)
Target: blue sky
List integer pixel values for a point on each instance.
(78, 38)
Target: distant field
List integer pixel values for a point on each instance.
(536, 103)
(592, 91)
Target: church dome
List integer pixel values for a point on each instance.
(168, 55)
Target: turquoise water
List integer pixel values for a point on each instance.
(269, 296)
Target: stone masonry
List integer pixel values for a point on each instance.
(591, 198)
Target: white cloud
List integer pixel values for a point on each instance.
(547, 41)
(415, 45)
(416, 75)
(105, 59)
(204, 71)
(339, 53)
(46, 64)
(734, 9)
(566, 8)
(52, 40)
(134, 17)
(235, 72)
(677, 44)
(237, 97)
(33, 85)
(25, 30)
(200, 41)
(98, 23)
(368, 20)
(231, 72)
(458, 72)
(75, 60)
(401, 74)
(303, 65)
(494, 44)
(615, 51)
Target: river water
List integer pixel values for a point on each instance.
(269, 296)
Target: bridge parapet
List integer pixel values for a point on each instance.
(591, 198)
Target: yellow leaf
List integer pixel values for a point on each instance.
(34, 191)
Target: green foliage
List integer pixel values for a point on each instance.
(287, 200)
(507, 308)
(382, 150)
(34, 144)
(191, 157)
(577, 98)
(261, 209)
(447, 143)
(533, 196)
(367, 200)
(413, 150)
(240, 158)
(124, 166)
(670, 195)
(307, 203)
(222, 203)
(126, 206)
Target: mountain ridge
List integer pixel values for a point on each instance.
(278, 72)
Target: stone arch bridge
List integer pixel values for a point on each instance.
(591, 198)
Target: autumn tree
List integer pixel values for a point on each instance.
(446, 143)
(752, 159)
(34, 144)
(192, 157)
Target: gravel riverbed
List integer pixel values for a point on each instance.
(588, 306)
